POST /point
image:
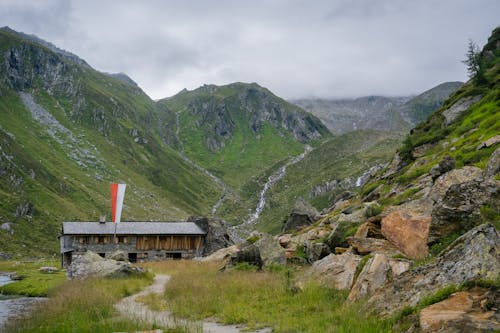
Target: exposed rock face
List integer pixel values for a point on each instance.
(217, 234)
(91, 264)
(459, 107)
(222, 254)
(119, 256)
(490, 142)
(408, 231)
(445, 165)
(249, 254)
(270, 250)
(370, 245)
(48, 270)
(463, 311)
(455, 176)
(375, 274)
(493, 167)
(460, 208)
(303, 214)
(333, 271)
(473, 256)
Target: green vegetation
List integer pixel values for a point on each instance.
(33, 282)
(260, 299)
(345, 156)
(84, 306)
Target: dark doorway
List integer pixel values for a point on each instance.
(177, 255)
(102, 254)
(132, 257)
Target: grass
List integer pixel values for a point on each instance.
(83, 306)
(34, 283)
(259, 299)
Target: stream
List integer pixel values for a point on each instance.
(13, 305)
(271, 181)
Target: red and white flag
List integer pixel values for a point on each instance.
(117, 195)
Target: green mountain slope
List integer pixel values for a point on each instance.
(239, 132)
(67, 132)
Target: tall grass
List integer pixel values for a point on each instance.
(83, 306)
(258, 299)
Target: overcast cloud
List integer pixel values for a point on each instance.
(296, 48)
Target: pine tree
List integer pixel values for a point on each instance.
(473, 62)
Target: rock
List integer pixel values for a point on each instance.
(395, 165)
(353, 215)
(24, 209)
(408, 231)
(368, 245)
(270, 250)
(459, 107)
(48, 270)
(375, 274)
(16, 277)
(461, 312)
(222, 254)
(7, 227)
(369, 230)
(217, 234)
(490, 142)
(5, 256)
(473, 256)
(119, 256)
(91, 264)
(455, 176)
(445, 165)
(285, 240)
(316, 251)
(249, 254)
(303, 214)
(333, 271)
(493, 166)
(459, 210)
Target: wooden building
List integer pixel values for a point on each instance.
(142, 241)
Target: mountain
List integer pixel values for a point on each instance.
(422, 106)
(67, 131)
(377, 112)
(345, 115)
(237, 133)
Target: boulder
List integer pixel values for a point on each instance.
(217, 234)
(119, 256)
(459, 107)
(249, 254)
(493, 166)
(369, 245)
(91, 264)
(396, 164)
(445, 165)
(303, 214)
(48, 270)
(316, 251)
(369, 229)
(408, 231)
(473, 256)
(490, 142)
(375, 274)
(270, 250)
(460, 208)
(285, 240)
(455, 176)
(462, 312)
(333, 271)
(222, 254)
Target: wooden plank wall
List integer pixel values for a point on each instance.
(169, 243)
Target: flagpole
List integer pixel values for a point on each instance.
(114, 237)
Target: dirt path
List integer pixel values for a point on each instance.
(129, 307)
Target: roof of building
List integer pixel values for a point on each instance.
(132, 228)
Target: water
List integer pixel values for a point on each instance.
(271, 181)
(13, 305)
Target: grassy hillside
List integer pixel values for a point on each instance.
(67, 131)
(240, 133)
(344, 158)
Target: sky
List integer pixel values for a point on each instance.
(295, 48)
